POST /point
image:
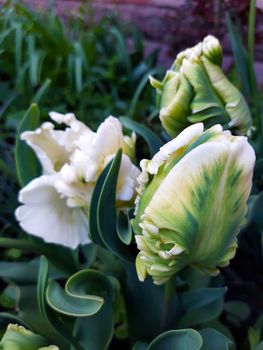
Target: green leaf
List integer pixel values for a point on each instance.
(148, 300)
(136, 96)
(27, 166)
(41, 92)
(95, 332)
(254, 333)
(86, 283)
(215, 340)
(106, 212)
(201, 305)
(140, 346)
(62, 257)
(153, 141)
(124, 229)
(259, 346)
(93, 219)
(237, 311)
(240, 56)
(10, 296)
(10, 318)
(58, 330)
(71, 305)
(182, 339)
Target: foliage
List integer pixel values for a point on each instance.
(90, 297)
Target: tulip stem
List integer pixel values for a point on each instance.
(169, 290)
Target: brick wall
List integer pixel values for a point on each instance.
(172, 25)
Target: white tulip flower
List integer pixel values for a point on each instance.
(56, 204)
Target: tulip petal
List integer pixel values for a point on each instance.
(46, 214)
(192, 210)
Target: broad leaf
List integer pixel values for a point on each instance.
(215, 340)
(182, 339)
(201, 305)
(27, 165)
(106, 212)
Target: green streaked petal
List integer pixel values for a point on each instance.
(205, 97)
(202, 213)
(235, 103)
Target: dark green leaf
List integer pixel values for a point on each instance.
(95, 332)
(153, 141)
(215, 340)
(27, 166)
(182, 339)
(106, 212)
(93, 219)
(201, 305)
(124, 229)
(240, 56)
(41, 92)
(69, 305)
(254, 333)
(140, 346)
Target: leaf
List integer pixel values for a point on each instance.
(240, 56)
(153, 141)
(215, 340)
(27, 165)
(68, 305)
(41, 92)
(58, 330)
(139, 90)
(124, 229)
(182, 339)
(147, 299)
(95, 332)
(106, 212)
(94, 282)
(63, 258)
(237, 311)
(259, 346)
(201, 305)
(140, 346)
(93, 219)
(254, 333)
(10, 318)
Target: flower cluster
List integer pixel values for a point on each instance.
(192, 195)
(195, 89)
(56, 204)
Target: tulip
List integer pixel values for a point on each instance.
(18, 338)
(56, 204)
(192, 202)
(196, 90)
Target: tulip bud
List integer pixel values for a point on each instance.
(192, 202)
(18, 338)
(196, 90)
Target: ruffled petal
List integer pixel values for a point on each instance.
(45, 214)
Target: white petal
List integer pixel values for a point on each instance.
(109, 138)
(46, 214)
(127, 180)
(182, 140)
(46, 142)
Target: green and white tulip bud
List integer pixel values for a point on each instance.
(195, 89)
(18, 338)
(192, 202)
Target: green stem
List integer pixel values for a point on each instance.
(169, 291)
